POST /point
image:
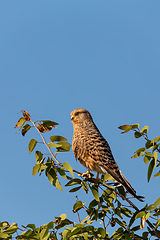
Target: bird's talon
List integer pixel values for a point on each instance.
(86, 175)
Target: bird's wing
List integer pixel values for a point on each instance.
(78, 145)
(100, 152)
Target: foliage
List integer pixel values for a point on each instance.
(110, 203)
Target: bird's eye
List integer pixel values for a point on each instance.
(77, 113)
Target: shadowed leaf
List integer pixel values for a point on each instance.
(25, 129)
(39, 156)
(48, 123)
(95, 193)
(137, 134)
(75, 189)
(150, 169)
(52, 177)
(64, 146)
(73, 182)
(134, 126)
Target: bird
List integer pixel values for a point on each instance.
(92, 150)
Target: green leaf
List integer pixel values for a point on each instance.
(63, 216)
(32, 226)
(4, 235)
(136, 125)
(57, 138)
(136, 228)
(54, 145)
(64, 146)
(58, 185)
(118, 212)
(85, 219)
(36, 169)
(121, 223)
(126, 212)
(73, 182)
(155, 157)
(145, 129)
(158, 223)
(75, 231)
(155, 147)
(85, 186)
(150, 207)
(77, 206)
(102, 232)
(140, 214)
(128, 237)
(137, 155)
(49, 225)
(75, 189)
(62, 172)
(137, 134)
(127, 128)
(147, 215)
(95, 193)
(132, 219)
(146, 159)
(140, 150)
(108, 177)
(20, 122)
(12, 228)
(149, 154)
(157, 202)
(148, 144)
(25, 129)
(150, 169)
(67, 166)
(157, 174)
(32, 145)
(156, 139)
(52, 177)
(121, 190)
(39, 156)
(44, 234)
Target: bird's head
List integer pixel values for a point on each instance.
(80, 115)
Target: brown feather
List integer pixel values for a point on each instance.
(92, 150)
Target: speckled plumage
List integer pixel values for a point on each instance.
(92, 150)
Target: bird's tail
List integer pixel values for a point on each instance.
(120, 178)
(126, 184)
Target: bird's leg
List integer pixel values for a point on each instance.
(86, 175)
(97, 176)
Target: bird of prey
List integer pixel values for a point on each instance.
(92, 150)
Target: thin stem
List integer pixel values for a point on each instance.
(44, 141)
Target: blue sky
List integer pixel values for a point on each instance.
(56, 56)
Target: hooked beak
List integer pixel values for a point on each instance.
(72, 117)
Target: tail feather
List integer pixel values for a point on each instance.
(127, 185)
(119, 177)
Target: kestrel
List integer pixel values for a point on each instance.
(92, 150)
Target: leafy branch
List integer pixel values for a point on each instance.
(106, 206)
